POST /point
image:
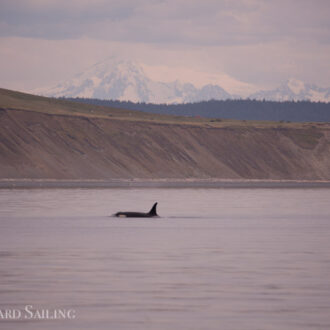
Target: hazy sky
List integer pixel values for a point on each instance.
(257, 42)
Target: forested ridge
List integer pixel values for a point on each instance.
(295, 111)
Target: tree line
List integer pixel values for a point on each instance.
(241, 109)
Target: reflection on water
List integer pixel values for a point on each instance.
(216, 259)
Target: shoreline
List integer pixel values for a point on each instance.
(160, 183)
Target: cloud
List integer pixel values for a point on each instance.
(58, 19)
(259, 42)
(193, 22)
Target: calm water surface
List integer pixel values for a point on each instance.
(227, 259)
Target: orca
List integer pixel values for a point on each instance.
(150, 214)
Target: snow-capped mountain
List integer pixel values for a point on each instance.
(115, 79)
(294, 90)
(127, 81)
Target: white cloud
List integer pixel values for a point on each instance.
(207, 22)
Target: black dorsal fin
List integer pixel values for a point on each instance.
(153, 211)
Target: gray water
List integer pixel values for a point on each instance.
(215, 259)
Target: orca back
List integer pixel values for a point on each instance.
(151, 213)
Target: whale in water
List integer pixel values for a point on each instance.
(150, 214)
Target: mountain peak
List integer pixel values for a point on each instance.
(294, 90)
(126, 81)
(295, 85)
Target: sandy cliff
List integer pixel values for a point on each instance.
(64, 145)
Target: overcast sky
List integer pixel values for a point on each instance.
(256, 42)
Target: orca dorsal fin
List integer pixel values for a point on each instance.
(153, 211)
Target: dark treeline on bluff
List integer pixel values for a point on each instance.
(294, 111)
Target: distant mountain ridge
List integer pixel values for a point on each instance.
(126, 81)
(294, 90)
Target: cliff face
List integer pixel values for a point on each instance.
(40, 145)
